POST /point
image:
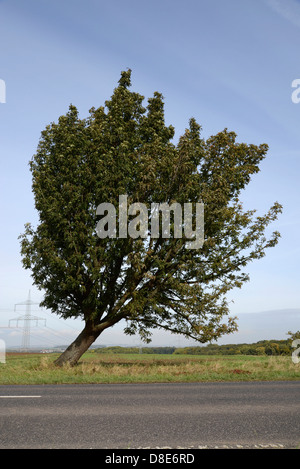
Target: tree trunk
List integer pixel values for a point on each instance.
(80, 345)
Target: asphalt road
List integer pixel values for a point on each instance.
(151, 415)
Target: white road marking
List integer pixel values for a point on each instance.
(17, 397)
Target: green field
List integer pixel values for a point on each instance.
(146, 368)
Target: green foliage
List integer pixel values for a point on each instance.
(125, 148)
(293, 335)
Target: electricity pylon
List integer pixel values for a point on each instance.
(27, 318)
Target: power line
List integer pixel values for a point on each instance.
(26, 318)
(55, 318)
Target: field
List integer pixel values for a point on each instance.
(146, 368)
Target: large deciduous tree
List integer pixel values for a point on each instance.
(124, 148)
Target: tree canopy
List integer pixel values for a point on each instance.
(124, 148)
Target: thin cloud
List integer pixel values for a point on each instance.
(288, 9)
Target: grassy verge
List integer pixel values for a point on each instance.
(134, 368)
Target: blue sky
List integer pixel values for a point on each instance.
(228, 64)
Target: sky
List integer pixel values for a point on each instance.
(228, 64)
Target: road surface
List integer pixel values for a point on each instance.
(128, 416)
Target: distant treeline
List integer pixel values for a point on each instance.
(263, 347)
(118, 349)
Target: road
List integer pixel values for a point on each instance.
(129, 416)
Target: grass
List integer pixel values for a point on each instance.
(148, 368)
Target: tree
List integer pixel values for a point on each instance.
(293, 336)
(123, 148)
